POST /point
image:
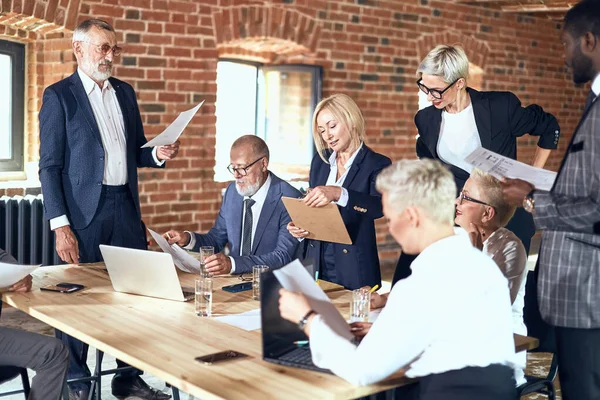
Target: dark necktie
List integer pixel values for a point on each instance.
(247, 231)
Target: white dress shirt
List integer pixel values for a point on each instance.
(436, 320)
(509, 254)
(109, 120)
(332, 178)
(596, 85)
(259, 197)
(458, 138)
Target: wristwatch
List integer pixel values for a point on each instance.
(529, 202)
(304, 320)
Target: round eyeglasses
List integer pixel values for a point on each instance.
(243, 171)
(435, 93)
(106, 48)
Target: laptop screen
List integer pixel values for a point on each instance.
(278, 334)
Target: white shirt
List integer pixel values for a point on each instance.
(508, 252)
(458, 138)
(332, 178)
(259, 197)
(109, 119)
(596, 85)
(436, 320)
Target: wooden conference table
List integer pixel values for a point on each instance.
(163, 337)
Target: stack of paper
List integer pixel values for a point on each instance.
(181, 258)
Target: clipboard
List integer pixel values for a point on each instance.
(323, 223)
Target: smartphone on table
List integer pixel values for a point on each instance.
(226, 355)
(63, 287)
(238, 287)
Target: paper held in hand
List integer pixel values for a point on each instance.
(294, 277)
(504, 167)
(181, 258)
(173, 131)
(13, 273)
(323, 223)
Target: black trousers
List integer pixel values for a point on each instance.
(578, 352)
(494, 382)
(116, 223)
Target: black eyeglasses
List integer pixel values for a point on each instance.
(436, 94)
(106, 48)
(243, 171)
(462, 196)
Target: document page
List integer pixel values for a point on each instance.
(181, 258)
(295, 277)
(504, 167)
(249, 320)
(173, 131)
(13, 273)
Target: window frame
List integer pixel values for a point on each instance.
(16, 51)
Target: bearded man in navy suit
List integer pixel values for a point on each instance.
(90, 148)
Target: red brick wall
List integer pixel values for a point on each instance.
(369, 49)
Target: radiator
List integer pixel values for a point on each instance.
(25, 234)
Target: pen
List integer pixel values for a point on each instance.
(301, 342)
(168, 236)
(374, 288)
(316, 275)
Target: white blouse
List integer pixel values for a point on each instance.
(435, 321)
(508, 252)
(459, 137)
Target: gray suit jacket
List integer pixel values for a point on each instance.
(569, 265)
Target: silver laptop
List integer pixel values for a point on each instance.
(142, 272)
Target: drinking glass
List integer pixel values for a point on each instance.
(203, 297)
(361, 302)
(205, 252)
(257, 270)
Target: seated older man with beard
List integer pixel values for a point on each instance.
(252, 218)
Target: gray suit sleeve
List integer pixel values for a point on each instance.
(6, 258)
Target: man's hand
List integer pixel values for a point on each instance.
(322, 195)
(377, 300)
(181, 238)
(218, 264)
(167, 152)
(66, 245)
(296, 232)
(24, 285)
(515, 191)
(477, 235)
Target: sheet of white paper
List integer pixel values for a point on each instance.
(13, 273)
(181, 258)
(296, 278)
(500, 166)
(173, 131)
(249, 320)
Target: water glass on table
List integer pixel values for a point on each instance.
(205, 252)
(360, 306)
(203, 298)
(257, 270)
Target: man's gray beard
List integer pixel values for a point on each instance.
(96, 74)
(249, 191)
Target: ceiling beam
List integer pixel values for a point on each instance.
(535, 8)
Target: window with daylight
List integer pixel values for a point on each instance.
(12, 105)
(273, 102)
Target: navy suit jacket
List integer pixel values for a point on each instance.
(272, 244)
(500, 119)
(71, 151)
(357, 264)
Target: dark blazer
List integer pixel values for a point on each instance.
(357, 264)
(500, 119)
(71, 152)
(272, 245)
(6, 258)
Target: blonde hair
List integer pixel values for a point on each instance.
(491, 192)
(449, 62)
(347, 113)
(425, 184)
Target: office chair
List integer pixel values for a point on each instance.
(536, 327)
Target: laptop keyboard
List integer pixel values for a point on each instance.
(300, 358)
